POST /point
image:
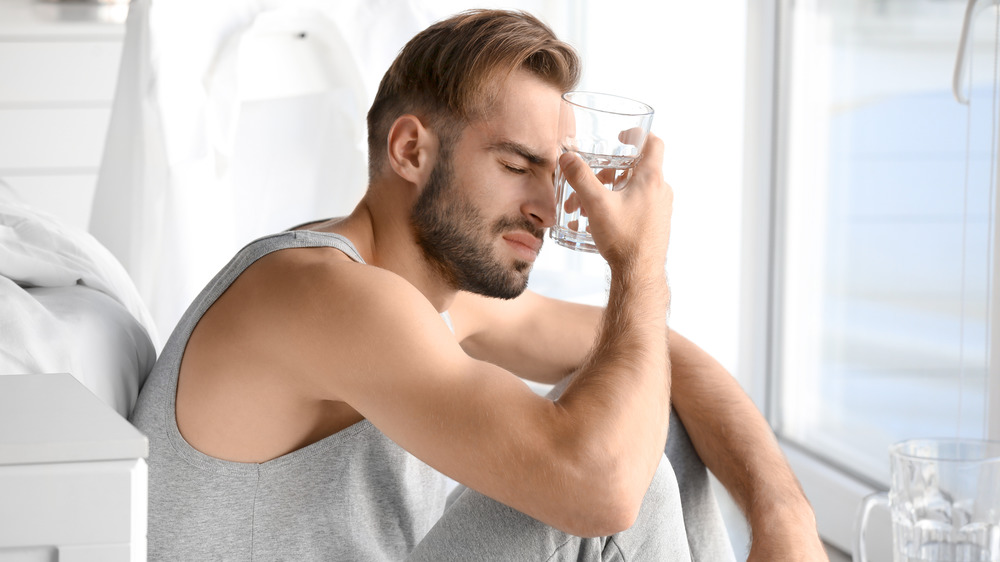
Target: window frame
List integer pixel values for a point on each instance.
(834, 491)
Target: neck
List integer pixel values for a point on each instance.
(380, 229)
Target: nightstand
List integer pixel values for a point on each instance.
(73, 475)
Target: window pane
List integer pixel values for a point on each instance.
(886, 229)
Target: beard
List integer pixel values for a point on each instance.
(450, 231)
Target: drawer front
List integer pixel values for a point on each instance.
(58, 72)
(52, 138)
(70, 504)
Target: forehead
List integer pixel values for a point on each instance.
(526, 111)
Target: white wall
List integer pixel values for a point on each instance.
(687, 60)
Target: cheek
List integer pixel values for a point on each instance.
(496, 191)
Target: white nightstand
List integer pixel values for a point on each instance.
(73, 475)
(58, 69)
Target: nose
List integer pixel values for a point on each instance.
(540, 206)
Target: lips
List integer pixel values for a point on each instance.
(524, 241)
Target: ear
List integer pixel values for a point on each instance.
(413, 149)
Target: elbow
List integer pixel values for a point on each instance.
(611, 518)
(606, 498)
(603, 516)
(602, 481)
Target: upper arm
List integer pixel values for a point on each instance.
(395, 361)
(538, 338)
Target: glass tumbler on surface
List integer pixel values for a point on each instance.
(944, 500)
(608, 132)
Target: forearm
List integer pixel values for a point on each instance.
(619, 398)
(735, 441)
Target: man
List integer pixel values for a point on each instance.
(308, 402)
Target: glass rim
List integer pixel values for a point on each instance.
(649, 109)
(989, 450)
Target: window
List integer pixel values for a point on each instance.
(883, 191)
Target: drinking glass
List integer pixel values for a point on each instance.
(608, 132)
(944, 499)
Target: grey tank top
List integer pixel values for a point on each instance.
(354, 495)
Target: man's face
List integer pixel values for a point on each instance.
(481, 216)
(455, 236)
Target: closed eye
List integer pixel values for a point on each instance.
(515, 169)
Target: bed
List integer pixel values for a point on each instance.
(76, 344)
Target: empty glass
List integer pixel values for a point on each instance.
(944, 500)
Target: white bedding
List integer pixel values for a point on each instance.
(66, 305)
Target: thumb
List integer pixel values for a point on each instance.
(580, 176)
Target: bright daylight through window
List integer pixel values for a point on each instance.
(886, 229)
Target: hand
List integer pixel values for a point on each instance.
(630, 223)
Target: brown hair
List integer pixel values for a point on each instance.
(449, 73)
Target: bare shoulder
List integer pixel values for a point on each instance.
(295, 340)
(343, 319)
(326, 279)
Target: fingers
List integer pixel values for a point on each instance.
(648, 170)
(580, 176)
(619, 183)
(652, 154)
(633, 136)
(606, 176)
(572, 203)
(623, 207)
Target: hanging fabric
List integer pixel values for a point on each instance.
(233, 120)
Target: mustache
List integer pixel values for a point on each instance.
(507, 224)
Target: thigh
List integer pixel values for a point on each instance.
(475, 527)
(679, 520)
(706, 530)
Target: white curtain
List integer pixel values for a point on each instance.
(233, 120)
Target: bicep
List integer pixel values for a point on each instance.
(400, 367)
(538, 338)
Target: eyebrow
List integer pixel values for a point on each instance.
(520, 150)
